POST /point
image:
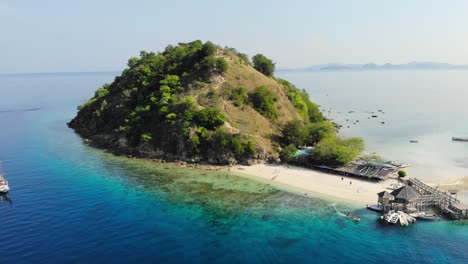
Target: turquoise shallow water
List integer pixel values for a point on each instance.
(75, 204)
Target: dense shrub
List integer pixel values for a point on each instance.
(263, 100)
(336, 151)
(239, 96)
(401, 173)
(318, 131)
(300, 99)
(209, 118)
(287, 153)
(294, 133)
(235, 145)
(263, 64)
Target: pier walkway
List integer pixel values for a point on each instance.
(432, 193)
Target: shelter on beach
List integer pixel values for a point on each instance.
(405, 195)
(385, 197)
(416, 196)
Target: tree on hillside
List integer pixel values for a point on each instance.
(294, 133)
(318, 131)
(287, 154)
(209, 118)
(263, 64)
(263, 101)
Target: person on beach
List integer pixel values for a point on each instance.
(342, 179)
(350, 182)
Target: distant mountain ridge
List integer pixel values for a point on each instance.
(427, 65)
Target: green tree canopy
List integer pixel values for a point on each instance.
(294, 133)
(336, 151)
(263, 100)
(263, 64)
(318, 131)
(209, 118)
(287, 153)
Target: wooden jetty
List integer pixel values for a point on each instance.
(429, 192)
(416, 196)
(365, 171)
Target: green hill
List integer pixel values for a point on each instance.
(196, 102)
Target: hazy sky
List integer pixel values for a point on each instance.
(100, 35)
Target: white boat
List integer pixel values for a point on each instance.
(430, 217)
(399, 165)
(4, 188)
(403, 220)
(393, 217)
(425, 216)
(417, 215)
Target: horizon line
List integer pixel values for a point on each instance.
(57, 73)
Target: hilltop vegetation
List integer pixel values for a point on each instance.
(199, 102)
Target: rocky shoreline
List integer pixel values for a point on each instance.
(118, 147)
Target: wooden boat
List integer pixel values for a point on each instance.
(413, 141)
(375, 207)
(459, 139)
(352, 217)
(4, 188)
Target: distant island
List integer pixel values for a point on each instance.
(386, 66)
(198, 102)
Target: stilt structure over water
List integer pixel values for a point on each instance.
(416, 196)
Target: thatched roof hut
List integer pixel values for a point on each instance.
(405, 194)
(385, 197)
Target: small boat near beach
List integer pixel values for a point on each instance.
(460, 139)
(393, 217)
(425, 216)
(399, 165)
(352, 217)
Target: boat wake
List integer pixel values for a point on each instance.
(338, 212)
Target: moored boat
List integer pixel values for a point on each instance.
(460, 138)
(4, 188)
(426, 216)
(393, 217)
(430, 217)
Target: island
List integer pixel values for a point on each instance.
(197, 102)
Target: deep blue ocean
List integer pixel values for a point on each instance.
(75, 204)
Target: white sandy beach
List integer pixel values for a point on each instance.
(316, 183)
